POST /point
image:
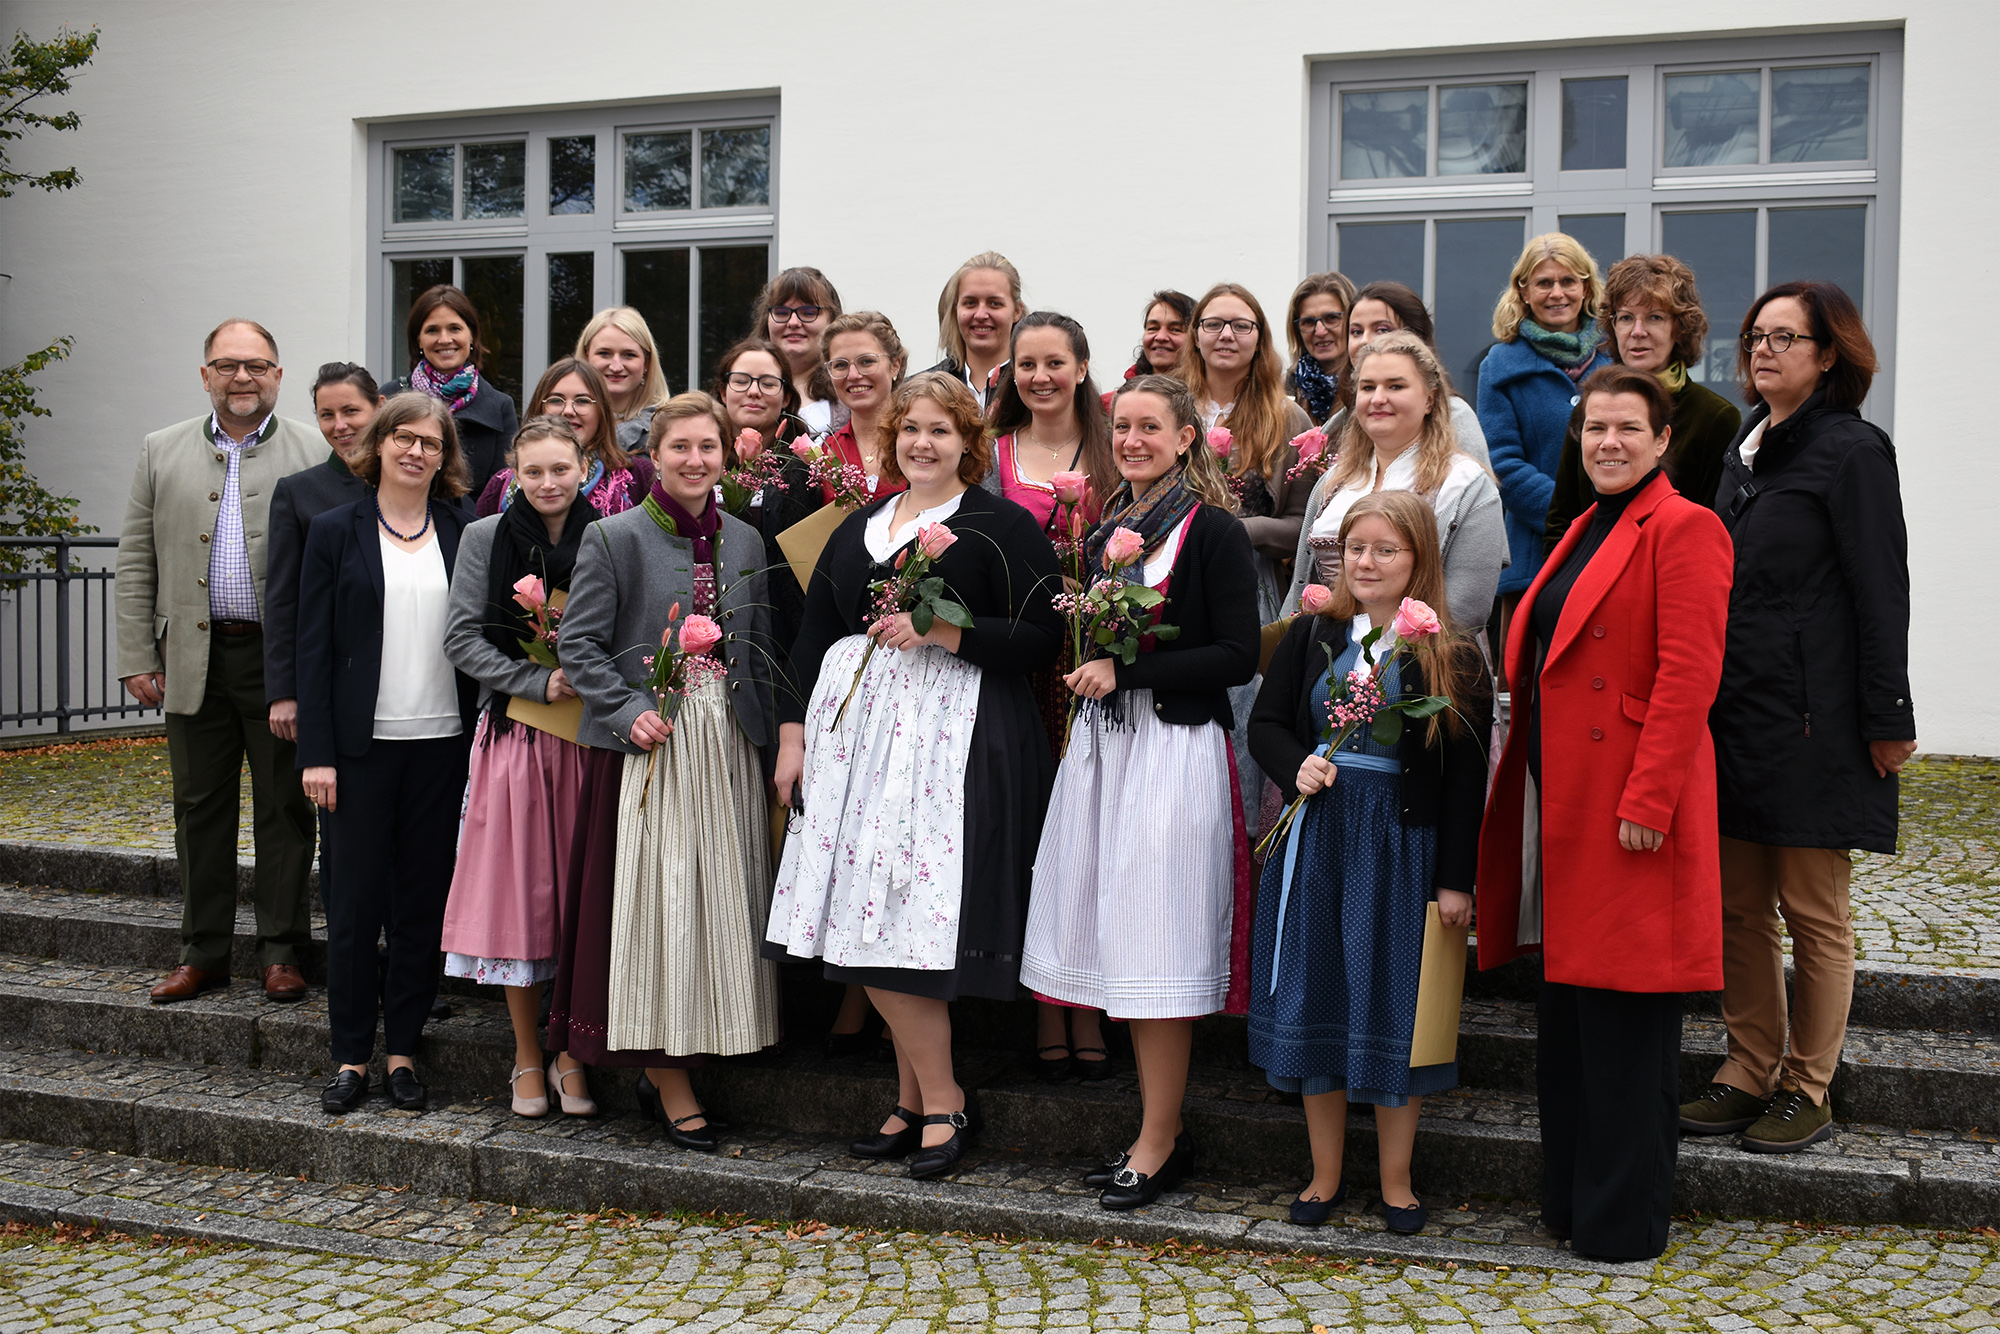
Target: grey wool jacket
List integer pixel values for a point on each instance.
(629, 574)
(465, 641)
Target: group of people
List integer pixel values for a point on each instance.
(1055, 660)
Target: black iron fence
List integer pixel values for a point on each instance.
(59, 636)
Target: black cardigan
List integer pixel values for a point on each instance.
(797, 499)
(295, 502)
(1442, 785)
(1002, 569)
(1212, 600)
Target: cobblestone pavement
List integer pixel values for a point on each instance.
(1934, 905)
(627, 1275)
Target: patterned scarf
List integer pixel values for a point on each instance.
(1152, 517)
(1675, 378)
(1322, 391)
(1571, 353)
(673, 518)
(456, 391)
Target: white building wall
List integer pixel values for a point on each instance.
(1107, 150)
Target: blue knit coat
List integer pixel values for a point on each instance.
(1524, 406)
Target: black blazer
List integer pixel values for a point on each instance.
(295, 503)
(340, 630)
(485, 427)
(1443, 784)
(1212, 599)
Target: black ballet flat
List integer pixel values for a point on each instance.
(1314, 1213)
(1407, 1222)
(1052, 1069)
(1136, 1190)
(938, 1159)
(889, 1144)
(702, 1139)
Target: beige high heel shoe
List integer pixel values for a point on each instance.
(571, 1105)
(528, 1107)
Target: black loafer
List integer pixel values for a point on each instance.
(1136, 1190)
(406, 1092)
(938, 1159)
(344, 1092)
(888, 1144)
(1314, 1213)
(1407, 1222)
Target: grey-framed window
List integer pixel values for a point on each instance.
(1755, 160)
(546, 217)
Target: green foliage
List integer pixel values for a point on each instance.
(27, 508)
(39, 69)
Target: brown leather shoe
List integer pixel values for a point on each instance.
(186, 982)
(283, 982)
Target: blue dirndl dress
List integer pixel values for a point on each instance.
(1335, 958)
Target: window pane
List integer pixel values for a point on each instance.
(656, 285)
(423, 184)
(1711, 119)
(1721, 248)
(731, 277)
(656, 171)
(494, 284)
(736, 167)
(1383, 252)
(1602, 234)
(409, 278)
(1483, 130)
(1593, 124)
(1828, 244)
(1384, 134)
(496, 180)
(1474, 257)
(571, 281)
(1819, 115)
(573, 174)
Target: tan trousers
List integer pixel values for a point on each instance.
(1807, 888)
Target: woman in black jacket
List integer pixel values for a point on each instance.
(1144, 855)
(384, 726)
(446, 353)
(1813, 720)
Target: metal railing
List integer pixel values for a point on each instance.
(59, 637)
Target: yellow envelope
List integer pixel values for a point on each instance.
(804, 540)
(564, 717)
(1440, 992)
(1274, 633)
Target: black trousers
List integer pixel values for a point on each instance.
(1607, 1072)
(395, 823)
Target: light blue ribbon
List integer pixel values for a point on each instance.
(1381, 764)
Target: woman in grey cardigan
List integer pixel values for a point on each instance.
(670, 878)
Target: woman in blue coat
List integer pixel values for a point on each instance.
(1550, 340)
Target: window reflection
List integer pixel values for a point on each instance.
(736, 167)
(496, 180)
(657, 168)
(423, 184)
(1819, 115)
(573, 174)
(1483, 129)
(1593, 133)
(1384, 134)
(1712, 119)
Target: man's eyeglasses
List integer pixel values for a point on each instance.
(741, 381)
(557, 403)
(865, 363)
(1241, 328)
(256, 370)
(407, 439)
(1781, 341)
(805, 314)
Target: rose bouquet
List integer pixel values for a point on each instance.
(913, 589)
(1360, 700)
(544, 621)
(846, 482)
(673, 673)
(1114, 613)
(756, 469)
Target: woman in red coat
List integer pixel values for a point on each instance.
(1599, 846)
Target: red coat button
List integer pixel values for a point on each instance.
(1597, 734)
(1597, 632)
(1597, 683)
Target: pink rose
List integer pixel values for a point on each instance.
(529, 593)
(802, 447)
(1414, 620)
(1313, 601)
(1124, 547)
(1220, 440)
(1069, 486)
(749, 444)
(699, 634)
(1310, 444)
(934, 539)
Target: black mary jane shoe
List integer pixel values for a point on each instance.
(937, 1159)
(347, 1090)
(1315, 1212)
(1099, 1068)
(1052, 1069)
(1406, 1222)
(889, 1144)
(701, 1139)
(406, 1092)
(1136, 1190)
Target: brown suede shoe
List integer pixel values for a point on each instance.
(283, 982)
(185, 983)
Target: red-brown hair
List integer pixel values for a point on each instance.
(1836, 323)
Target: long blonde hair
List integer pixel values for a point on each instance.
(1257, 419)
(654, 392)
(1565, 250)
(1437, 445)
(949, 338)
(1201, 470)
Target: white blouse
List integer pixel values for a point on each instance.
(1400, 475)
(882, 542)
(417, 697)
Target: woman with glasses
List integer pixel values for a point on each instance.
(1550, 340)
(1388, 830)
(618, 343)
(383, 739)
(1599, 845)
(445, 356)
(613, 481)
(757, 395)
(865, 361)
(977, 312)
(1163, 338)
(792, 312)
(1316, 328)
(1657, 325)
(1814, 720)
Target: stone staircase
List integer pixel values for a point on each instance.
(230, 1081)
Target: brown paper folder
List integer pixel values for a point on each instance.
(562, 718)
(1440, 990)
(1274, 633)
(804, 540)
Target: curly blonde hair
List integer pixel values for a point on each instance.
(1565, 250)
